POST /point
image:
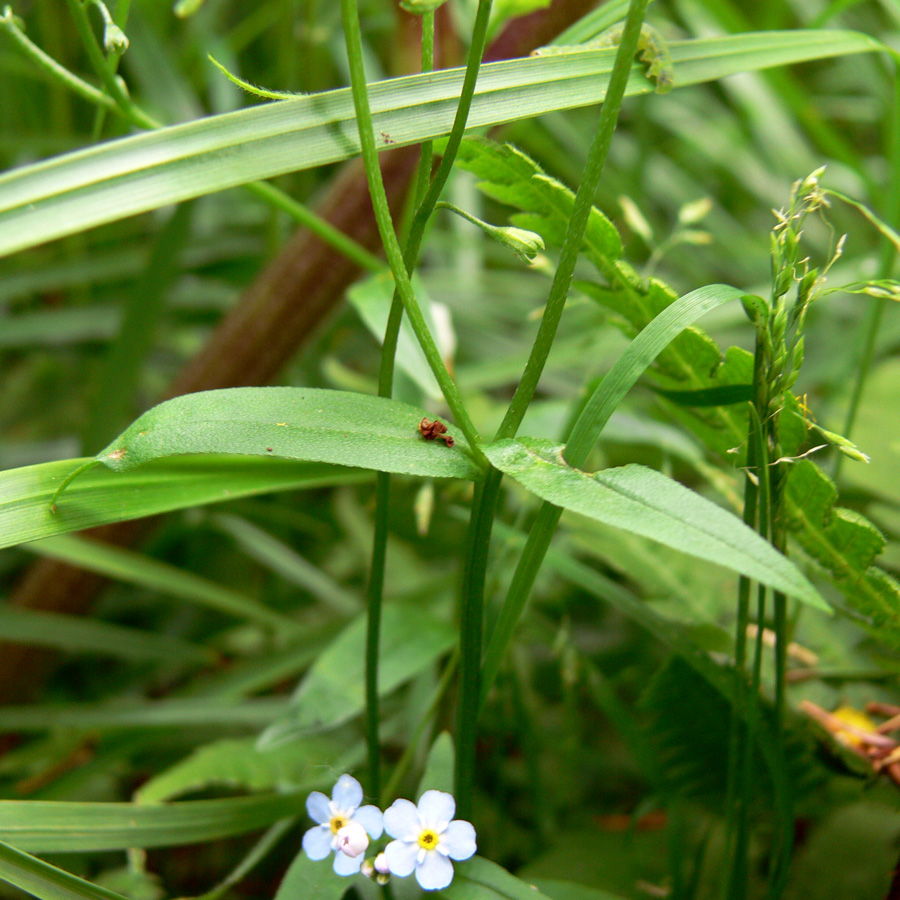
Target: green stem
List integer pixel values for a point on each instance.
(353, 37)
(484, 506)
(49, 65)
(107, 76)
(304, 216)
(548, 516)
(584, 200)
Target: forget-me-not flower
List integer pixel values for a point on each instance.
(428, 837)
(343, 825)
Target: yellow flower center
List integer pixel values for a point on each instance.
(337, 823)
(428, 839)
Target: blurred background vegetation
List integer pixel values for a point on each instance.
(602, 758)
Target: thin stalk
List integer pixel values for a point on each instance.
(304, 216)
(471, 626)
(51, 67)
(548, 516)
(353, 38)
(111, 82)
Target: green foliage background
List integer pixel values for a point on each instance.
(216, 675)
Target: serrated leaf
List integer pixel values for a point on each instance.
(845, 544)
(291, 423)
(333, 690)
(512, 177)
(645, 502)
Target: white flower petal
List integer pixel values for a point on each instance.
(436, 809)
(458, 841)
(317, 842)
(347, 793)
(401, 820)
(371, 819)
(435, 873)
(319, 807)
(401, 857)
(347, 865)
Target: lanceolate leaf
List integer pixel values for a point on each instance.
(311, 881)
(121, 178)
(47, 882)
(99, 496)
(645, 502)
(291, 423)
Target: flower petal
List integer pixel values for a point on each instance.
(458, 841)
(435, 873)
(401, 857)
(347, 865)
(318, 807)
(347, 793)
(436, 809)
(401, 820)
(317, 842)
(371, 819)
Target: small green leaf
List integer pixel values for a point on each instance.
(291, 423)
(438, 774)
(645, 502)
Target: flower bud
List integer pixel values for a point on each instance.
(352, 839)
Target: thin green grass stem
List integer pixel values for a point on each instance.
(114, 87)
(353, 38)
(548, 516)
(51, 67)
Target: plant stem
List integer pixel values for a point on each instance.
(49, 65)
(111, 82)
(548, 516)
(353, 37)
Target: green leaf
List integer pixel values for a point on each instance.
(99, 496)
(121, 178)
(845, 544)
(236, 763)
(645, 502)
(481, 879)
(41, 826)
(78, 634)
(47, 882)
(308, 880)
(568, 890)
(291, 423)
(333, 690)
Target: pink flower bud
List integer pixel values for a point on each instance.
(352, 839)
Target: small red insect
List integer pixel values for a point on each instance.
(433, 430)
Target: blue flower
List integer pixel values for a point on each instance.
(428, 837)
(333, 815)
